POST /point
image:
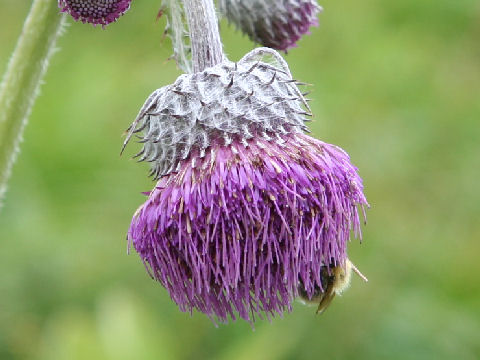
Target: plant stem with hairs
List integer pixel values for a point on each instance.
(204, 35)
(20, 85)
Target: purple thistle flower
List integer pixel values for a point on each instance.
(278, 24)
(95, 12)
(247, 208)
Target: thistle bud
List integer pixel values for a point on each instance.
(95, 12)
(246, 206)
(278, 24)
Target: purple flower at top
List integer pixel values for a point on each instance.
(277, 24)
(247, 210)
(95, 12)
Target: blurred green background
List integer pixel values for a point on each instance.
(396, 84)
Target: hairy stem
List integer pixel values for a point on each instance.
(178, 33)
(22, 79)
(204, 35)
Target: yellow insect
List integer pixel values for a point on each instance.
(335, 280)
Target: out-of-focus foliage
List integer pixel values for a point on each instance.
(396, 84)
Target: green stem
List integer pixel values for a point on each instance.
(178, 34)
(20, 84)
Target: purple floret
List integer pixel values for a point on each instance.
(236, 231)
(95, 12)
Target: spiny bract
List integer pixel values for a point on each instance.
(227, 102)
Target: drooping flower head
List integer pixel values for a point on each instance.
(278, 24)
(247, 207)
(96, 12)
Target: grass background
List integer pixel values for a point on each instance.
(396, 84)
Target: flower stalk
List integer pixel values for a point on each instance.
(20, 85)
(204, 34)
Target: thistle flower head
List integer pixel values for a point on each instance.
(95, 12)
(247, 207)
(278, 24)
